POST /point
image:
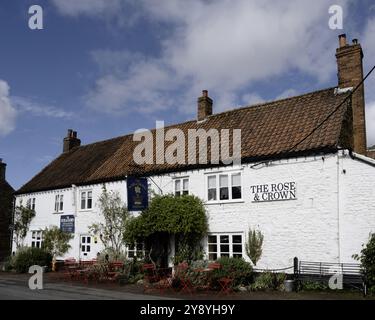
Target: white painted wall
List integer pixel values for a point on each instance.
(308, 227)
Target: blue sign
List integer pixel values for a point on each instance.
(67, 223)
(137, 194)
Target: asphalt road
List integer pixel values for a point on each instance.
(18, 289)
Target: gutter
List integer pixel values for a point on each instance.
(362, 158)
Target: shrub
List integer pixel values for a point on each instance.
(236, 268)
(27, 257)
(314, 286)
(8, 263)
(367, 259)
(268, 281)
(254, 245)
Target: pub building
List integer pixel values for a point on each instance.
(306, 179)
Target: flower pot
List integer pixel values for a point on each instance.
(289, 285)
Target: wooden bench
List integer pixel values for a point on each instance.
(352, 274)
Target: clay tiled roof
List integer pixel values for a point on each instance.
(269, 131)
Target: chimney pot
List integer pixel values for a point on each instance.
(355, 41)
(342, 40)
(71, 141)
(205, 93)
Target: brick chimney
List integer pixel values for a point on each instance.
(350, 74)
(2, 170)
(204, 106)
(71, 141)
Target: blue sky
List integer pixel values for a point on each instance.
(109, 67)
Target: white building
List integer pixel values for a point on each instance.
(306, 179)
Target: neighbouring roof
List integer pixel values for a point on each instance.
(269, 131)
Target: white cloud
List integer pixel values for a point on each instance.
(370, 123)
(87, 7)
(368, 43)
(8, 113)
(223, 46)
(287, 94)
(37, 109)
(251, 99)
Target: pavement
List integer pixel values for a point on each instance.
(15, 287)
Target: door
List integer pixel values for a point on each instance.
(86, 247)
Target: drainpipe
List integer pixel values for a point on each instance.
(338, 208)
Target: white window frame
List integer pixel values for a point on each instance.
(30, 203)
(59, 203)
(36, 238)
(135, 252)
(86, 193)
(230, 186)
(182, 190)
(230, 243)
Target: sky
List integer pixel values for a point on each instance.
(106, 68)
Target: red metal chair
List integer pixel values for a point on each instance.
(150, 276)
(183, 276)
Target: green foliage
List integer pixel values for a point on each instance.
(367, 259)
(26, 257)
(268, 281)
(22, 219)
(236, 268)
(170, 214)
(56, 242)
(9, 263)
(188, 249)
(314, 286)
(116, 218)
(254, 245)
(112, 256)
(183, 216)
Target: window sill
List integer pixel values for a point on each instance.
(60, 212)
(225, 202)
(85, 210)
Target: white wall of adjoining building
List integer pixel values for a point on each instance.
(357, 204)
(307, 227)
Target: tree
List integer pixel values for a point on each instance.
(254, 245)
(56, 242)
(22, 219)
(367, 259)
(116, 216)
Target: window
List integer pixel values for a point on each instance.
(59, 203)
(138, 251)
(30, 204)
(86, 200)
(224, 245)
(224, 187)
(36, 239)
(236, 186)
(181, 186)
(211, 188)
(85, 245)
